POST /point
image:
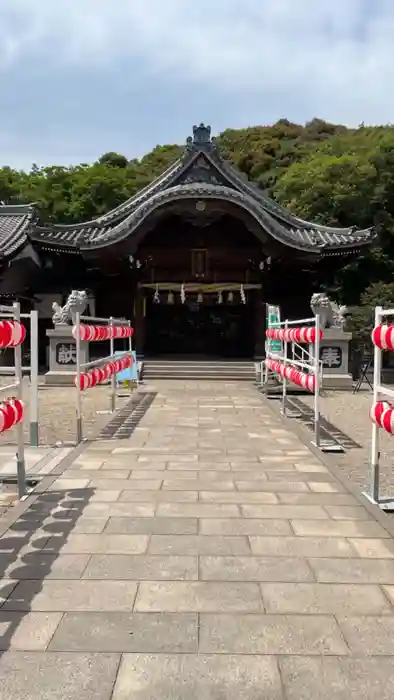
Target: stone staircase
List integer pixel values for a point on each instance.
(200, 370)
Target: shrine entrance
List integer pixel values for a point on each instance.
(200, 329)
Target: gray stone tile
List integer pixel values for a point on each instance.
(197, 596)
(369, 635)
(270, 634)
(99, 544)
(237, 497)
(318, 499)
(337, 678)
(143, 474)
(232, 568)
(198, 485)
(96, 474)
(326, 487)
(121, 484)
(373, 548)
(348, 513)
(72, 596)
(199, 466)
(69, 484)
(198, 544)
(244, 526)
(159, 496)
(302, 546)
(152, 526)
(127, 632)
(43, 676)
(104, 495)
(286, 512)
(273, 487)
(339, 528)
(27, 631)
(119, 510)
(85, 526)
(197, 677)
(198, 510)
(41, 565)
(353, 570)
(317, 598)
(294, 475)
(311, 468)
(139, 567)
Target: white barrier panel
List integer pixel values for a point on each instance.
(382, 409)
(303, 368)
(90, 374)
(12, 335)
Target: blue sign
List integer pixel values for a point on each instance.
(131, 373)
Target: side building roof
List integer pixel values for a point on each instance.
(201, 172)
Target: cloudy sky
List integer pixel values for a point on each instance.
(82, 77)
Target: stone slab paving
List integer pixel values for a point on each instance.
(211, 555)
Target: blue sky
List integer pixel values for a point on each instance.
(82, 77)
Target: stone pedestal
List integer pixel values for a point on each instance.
(334, 353)
(63, 356)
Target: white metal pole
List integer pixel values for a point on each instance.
(377, 370)
(20, 454)
(113, 378)
(284, 385)
(34, 434)
(78, 376)
(317, 381)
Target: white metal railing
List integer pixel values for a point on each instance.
(308, 361)
(80, 366)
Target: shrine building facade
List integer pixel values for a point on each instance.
(192, 259)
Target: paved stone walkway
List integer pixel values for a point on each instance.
(209, 557)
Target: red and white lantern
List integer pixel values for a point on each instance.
(306, 381)
(383, 337)
(6, 328)
(11, 413)
(18, 333)
(294, 335)
(382, 414)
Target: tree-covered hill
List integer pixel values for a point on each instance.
(321, 171)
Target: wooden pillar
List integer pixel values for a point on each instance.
(139, 320)
(260, 323)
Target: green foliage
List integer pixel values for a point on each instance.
(362, 320)
(322, 172)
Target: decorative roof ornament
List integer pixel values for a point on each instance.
(201, 139)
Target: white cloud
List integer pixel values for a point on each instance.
(295, 58)
(339, 54)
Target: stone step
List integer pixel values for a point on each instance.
(199, 370)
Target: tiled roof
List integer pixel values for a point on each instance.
(15, 222)
(201, 172)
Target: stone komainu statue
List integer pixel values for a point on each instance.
(331, 315)
(63, 315)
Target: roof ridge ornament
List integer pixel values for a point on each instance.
(201, 139)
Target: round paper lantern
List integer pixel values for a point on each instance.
(18, 333)
(17, 407)
(9, 415)
(383, 337)
(5, 333)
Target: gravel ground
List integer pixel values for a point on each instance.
(350, 413)
(57, 423)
